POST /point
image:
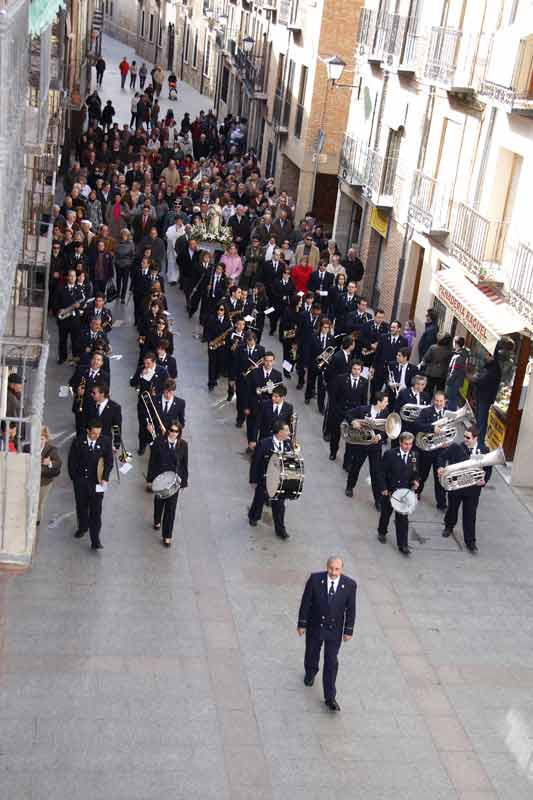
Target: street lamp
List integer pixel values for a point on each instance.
(248, 44)
(335, 66)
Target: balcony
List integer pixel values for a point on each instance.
(455, 60)
(398, 43)
(252, 72)
(477, 243)
(516, 94)
(367, 32)
(430, 206)
(375, 174)
(520, 287)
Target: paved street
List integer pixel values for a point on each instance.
(141, 673)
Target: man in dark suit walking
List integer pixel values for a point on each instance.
(272, 409)
(277, 443)
(398, 470)
(327, 616)
(98, 405)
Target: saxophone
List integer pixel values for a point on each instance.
(214, 344)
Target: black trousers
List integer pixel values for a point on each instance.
(427, 461)
(334, 425)
(122, 276)
(216, 364)
(165, 513)
(401, 521)
(315, 385)
(313, 646)
(469, 501)
(68, 327)
(277, 506)
(88, 509)
(240, 388)
(251, 426)
(359, 456)
(145, 437)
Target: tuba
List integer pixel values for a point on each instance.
(392, 426)
(448, 429)
(410, 411)
(468, 473)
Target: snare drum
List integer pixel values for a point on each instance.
(166, 485)
(285, 476)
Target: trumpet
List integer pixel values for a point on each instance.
(392, 383)
(214, 344)
(151, 410)
(447, 432)
(256, 365)
(324, 358)
(268, 388)
(118, 444)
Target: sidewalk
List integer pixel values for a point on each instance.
(113, 51)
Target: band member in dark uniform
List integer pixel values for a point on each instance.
(372, 451)
(400, 375)
(315, 374)
(350, 390)
(308, 329)
(272, 409)
(248, 354)
(99, 406)
(321, 282)
(327, 616)
(415, 395)
(168, 406)
(85, 453)
(388, 346)
(469, 496)
(165, 360)
(259, 380)
(215, 331)
(277, 443)
(398, 470)
(429, 459)
(234, 341)
(82, 383)
(170, 453)
(370, 337)
(66, 296)
(148, 378)
(338, 365)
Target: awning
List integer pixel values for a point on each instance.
(485, 319)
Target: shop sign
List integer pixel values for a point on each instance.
(496, 429)
(379, 221)
(474, 325)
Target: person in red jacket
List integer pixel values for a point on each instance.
(300, 275)
(124, 68)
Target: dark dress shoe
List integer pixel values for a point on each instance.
(79, 534)
(167, 542)
(309, 680)
(157, 526)
(405, 551)
(307, 401)
(252, 522)
(300, 385)
(61, 361)
(239, 424)
(377, 504)
(97, 546)
(382, 537)
(447, 532)
(332, 457)
(348, 492)
(472, 548)
(442, 508)
(332, 705)
(140, 451)
(282, 534)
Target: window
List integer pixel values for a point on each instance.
(195, 51)
(207, 56)
(278, 95)
(151, 29)
(143, 23)
(160, 37)
(301, 103)
(187, 44)
(288, 95)
(225, 85)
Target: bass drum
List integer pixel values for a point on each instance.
(285, 476)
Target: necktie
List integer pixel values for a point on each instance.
(276, 410)
(99, 409)
(331, 593)
(91, 445)
(167, 406)
(91, 374)
(323, 342)
(417, 398)
(404, 458)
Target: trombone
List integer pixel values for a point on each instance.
(256, 365)
(151, 410)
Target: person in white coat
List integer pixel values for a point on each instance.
(174, 232)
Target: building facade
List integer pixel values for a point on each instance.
(195, 60)
(43, 72)
(120, 20)
(434, 177)
(270, 69)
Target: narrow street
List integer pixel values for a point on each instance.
(141, 673)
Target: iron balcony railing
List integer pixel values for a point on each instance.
(457, 60)
(367, 31)
(252, 71)
(518, 94)
(477, 242)
(362, 166)
(430, 204)
(520, 287)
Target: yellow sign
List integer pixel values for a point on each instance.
(379, 221)
(495, 430)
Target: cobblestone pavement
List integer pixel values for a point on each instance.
(140, 673)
